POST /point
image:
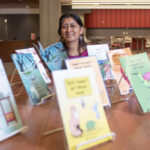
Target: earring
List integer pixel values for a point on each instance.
(81, 38)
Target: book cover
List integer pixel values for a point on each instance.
(100, 51)
(10, 122)
(31, 77)
(137, 68)
(122, 81)
(86, 62)
(78, 96)
(54, 56)
(38, 63)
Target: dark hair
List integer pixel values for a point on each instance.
(78, 20)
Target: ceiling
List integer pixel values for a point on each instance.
(19, 3)
(25, 3)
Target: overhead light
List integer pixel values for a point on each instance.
(5, 20)
(111, 4)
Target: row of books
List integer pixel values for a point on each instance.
(80, 87)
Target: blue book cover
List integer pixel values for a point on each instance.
(54, 56)
(10, 122)
(31, 77)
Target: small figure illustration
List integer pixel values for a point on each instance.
(145, 78)
(95, 109)
(90, 125)
(75, 122)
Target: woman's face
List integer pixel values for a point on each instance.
(70, 30)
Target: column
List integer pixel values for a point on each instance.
(50, 12)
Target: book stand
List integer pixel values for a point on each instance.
(138, 107)
(96, 139)
(111, 82)
(115, 93)
(45, 133)
(79, 146)
(12, 84)
(44, 99)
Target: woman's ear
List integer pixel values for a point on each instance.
(81, 30)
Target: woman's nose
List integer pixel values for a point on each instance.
(68, 28)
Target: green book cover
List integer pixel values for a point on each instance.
(137, 68)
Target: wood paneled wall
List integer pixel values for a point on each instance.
(118, 18)
(8, 47)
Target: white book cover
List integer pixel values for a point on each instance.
(38, 62)
(100, 51)
(82, 113)
(10, 122)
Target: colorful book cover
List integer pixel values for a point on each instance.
(100, 51)
(38, 62)
(78, 96)
(31, 77)
(122, 81)
(54, 56)
(10, 122)
(137, 68)
(86, 62)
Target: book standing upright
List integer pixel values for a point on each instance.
(100, 51)
(10, 121)
(78, 96)
(38, 62)
(34, 83)
(86, 62)
(122, 81)
(137, 68)
(54, 56)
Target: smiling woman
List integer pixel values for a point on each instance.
(71, 34)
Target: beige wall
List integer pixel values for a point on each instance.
(50, 12)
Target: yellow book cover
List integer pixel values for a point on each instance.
(121, 78)
(86, 62)
(84, 120)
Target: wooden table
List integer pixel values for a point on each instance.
(131, 127)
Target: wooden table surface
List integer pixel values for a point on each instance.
(132, 128)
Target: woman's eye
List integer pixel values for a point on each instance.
(73, 26)
(65, 27)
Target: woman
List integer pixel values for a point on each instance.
(71, 33)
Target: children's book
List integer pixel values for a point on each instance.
(100, 51)
(54, 56)
(83, 116)
(137, 68)
(38, 62)
(32, 79)
(86, 62)
(10, 122)
(122, 81)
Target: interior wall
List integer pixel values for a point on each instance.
(101, 32)
(118, 18)
(19, 26)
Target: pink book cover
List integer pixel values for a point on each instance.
(122, 80)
